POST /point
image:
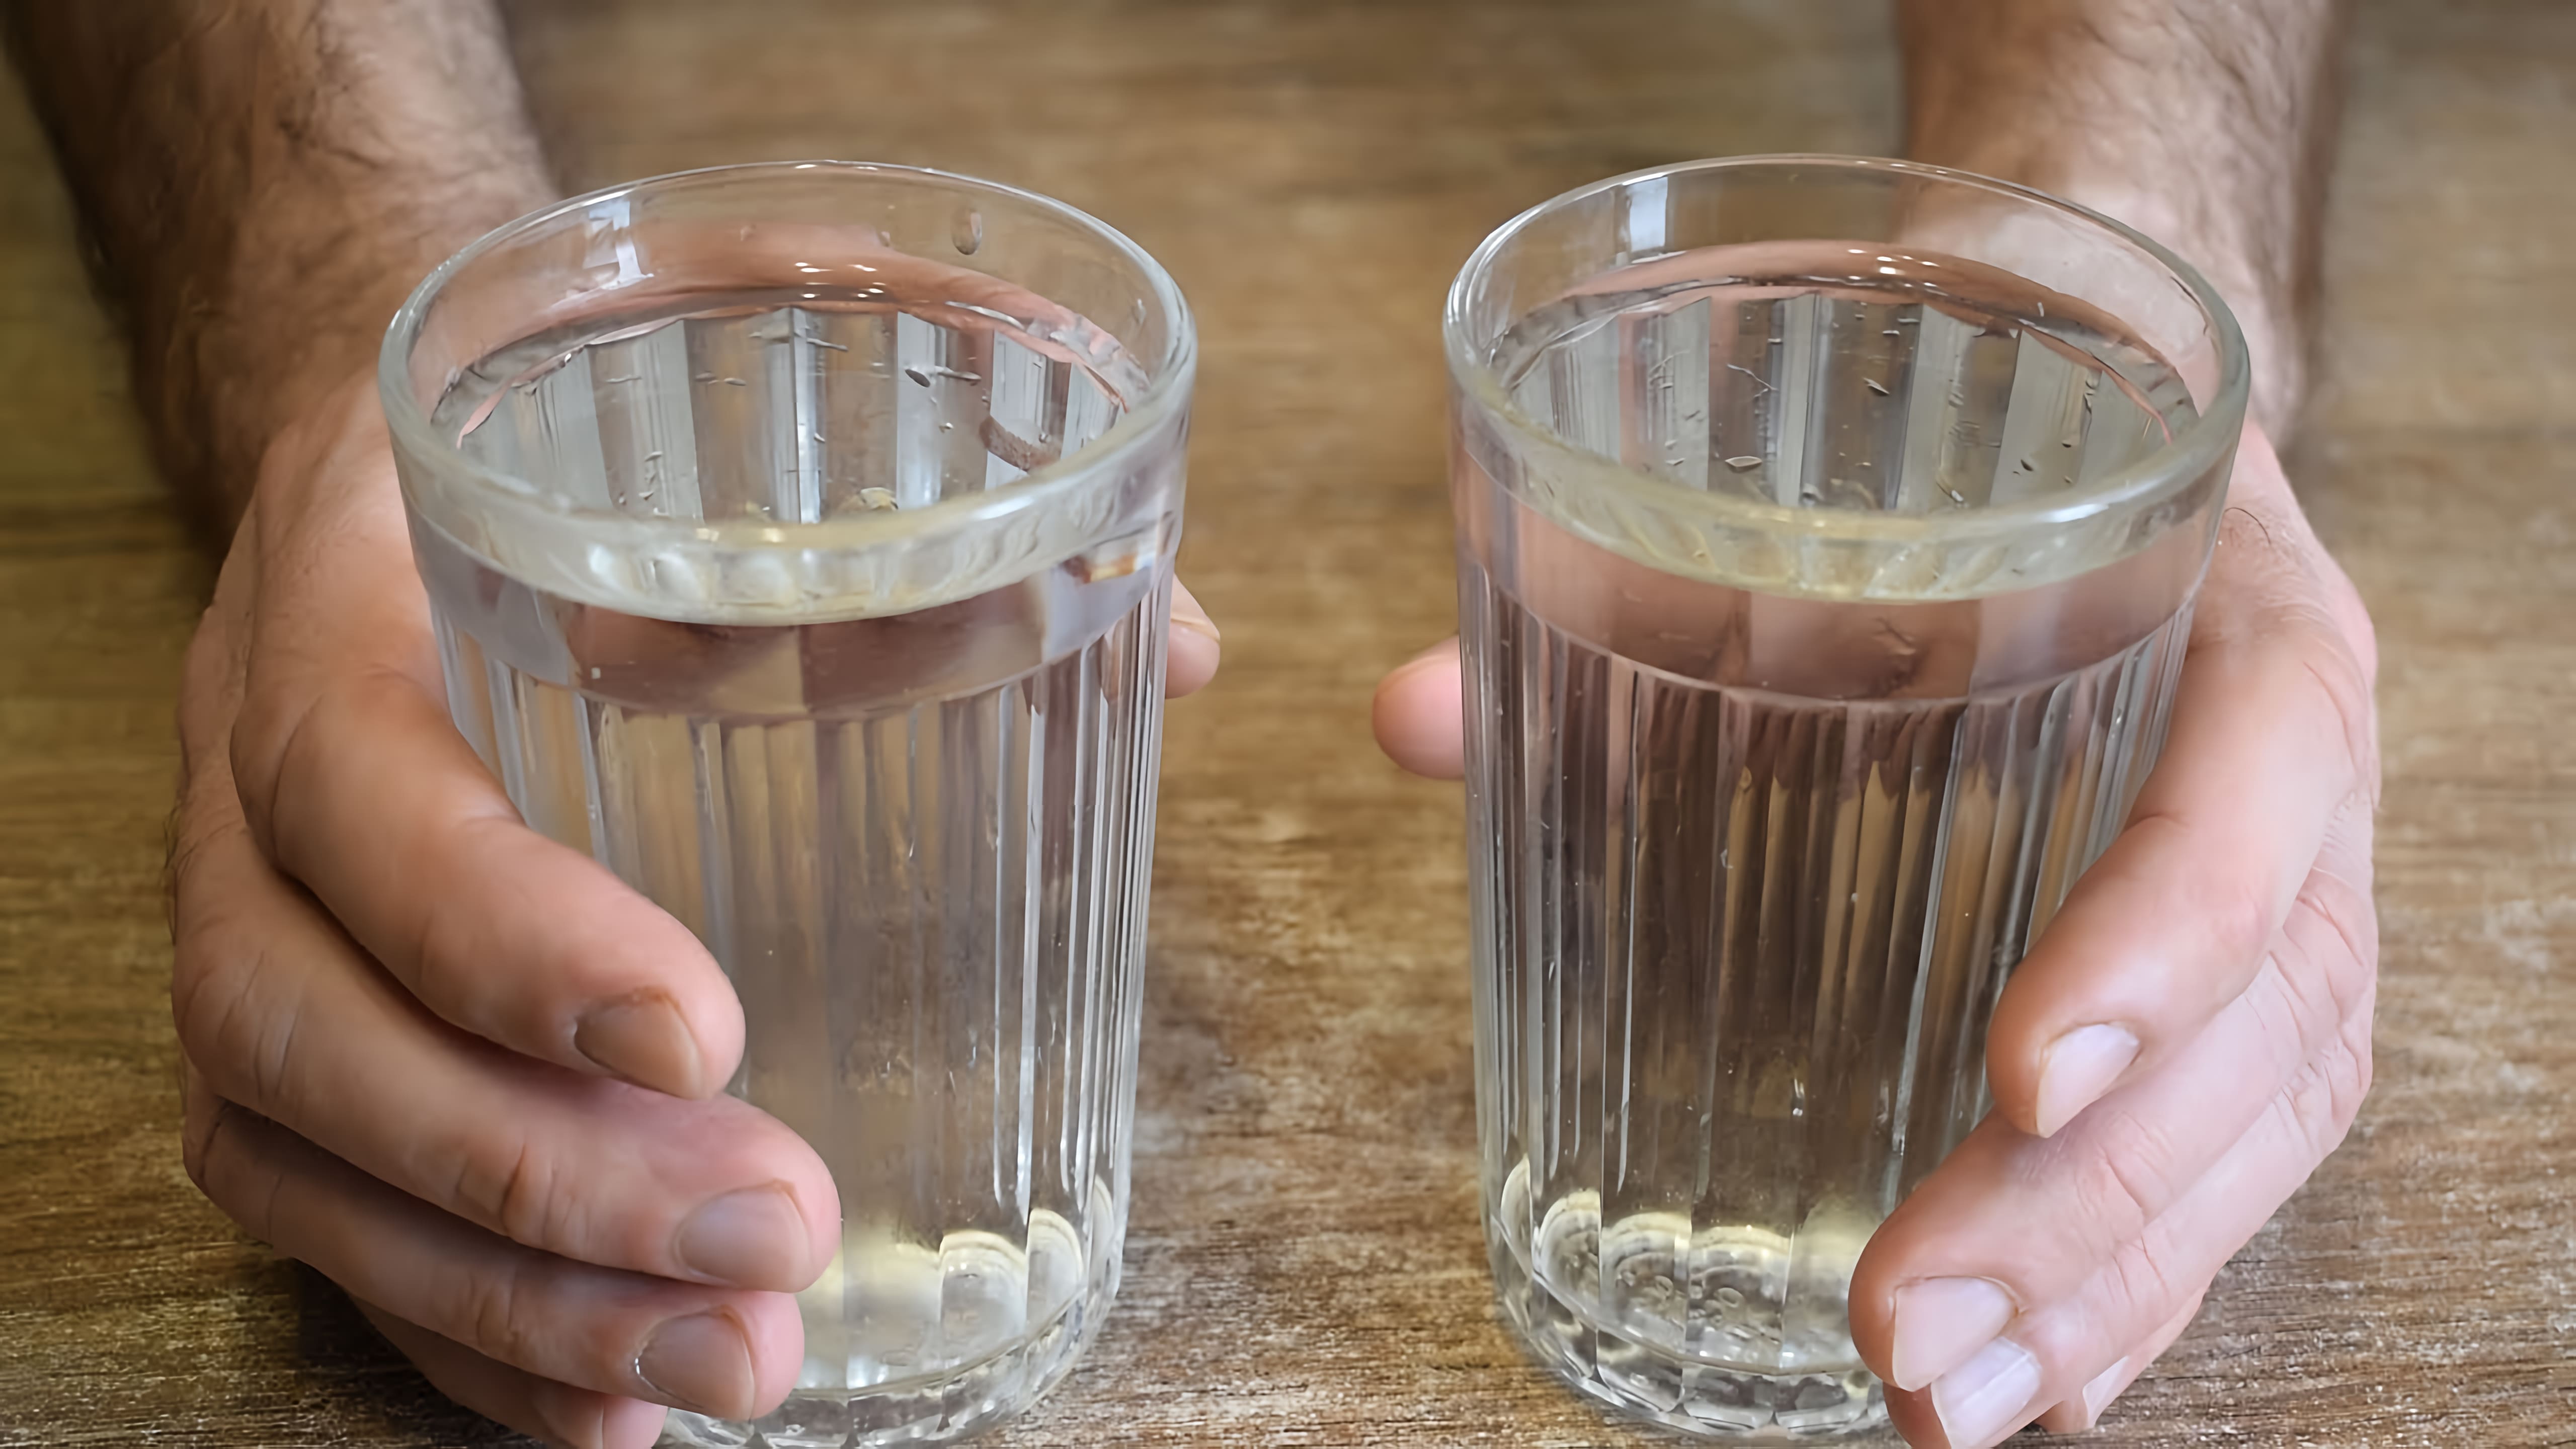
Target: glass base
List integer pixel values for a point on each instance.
(940, 1409)
(1702, 1399)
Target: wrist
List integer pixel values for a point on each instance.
(2257, 289)
(2205, 124)
(2259, 285)
(298, 317)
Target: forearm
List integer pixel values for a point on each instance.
(264, 180)
(2207, 124)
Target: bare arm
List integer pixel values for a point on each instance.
(263, 181)
(455, 1066)
(2207, 124)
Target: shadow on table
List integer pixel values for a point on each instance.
(343, 1356)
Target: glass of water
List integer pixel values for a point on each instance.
(800, 541)
(1827, 536)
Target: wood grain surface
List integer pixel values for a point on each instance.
(1305, 1266)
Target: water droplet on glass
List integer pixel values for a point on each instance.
(966, 232)
(1743, 462)
(923, 375)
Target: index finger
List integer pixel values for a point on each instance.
(359, 786)
(2271, 738)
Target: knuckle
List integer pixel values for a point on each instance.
(2343, 689)
(196, 1142)
(222, 1163)
(2330, 964)
(2345, 906)
(2145, 1287)
(2356, 1044)
(2345, 1074)
(2327, 1095)
(506, 1184)
(201, 825)
(266, 735)
(2124, 1177)
(2285, 1000)
(203, 673)
(236, 1011)
(498, 1308)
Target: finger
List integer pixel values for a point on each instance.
(558, 1414)
(2053, 1351)
(2082, 1412)
(1418, 714)
(210, 687)
(2270, 740)
(2012, 1220)
(726, 1352)
(357, 784)
(284, 1016)
(1193, 647)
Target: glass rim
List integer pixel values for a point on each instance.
(2195, 448)
(1166, 391)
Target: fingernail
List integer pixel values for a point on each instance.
(1187, 614)
(2079, 1067)
(2104, 1388)
(754, 1238)
(1939, 1322)
(642, 1039)
(1987, 1397)
(701, 1362)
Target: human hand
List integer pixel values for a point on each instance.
(2186, 1042)
(456, 1067)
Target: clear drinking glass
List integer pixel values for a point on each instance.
(1827, 535)
(800, 540)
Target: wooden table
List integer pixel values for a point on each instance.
(1305, 1266)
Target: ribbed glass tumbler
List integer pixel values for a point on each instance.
(1827, 535)
(800, 540)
